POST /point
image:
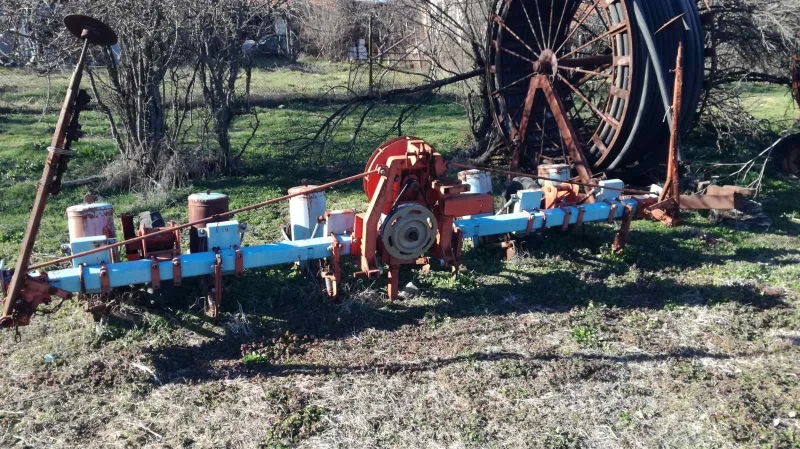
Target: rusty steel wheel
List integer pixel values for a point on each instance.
(601, 70)
(590, 44)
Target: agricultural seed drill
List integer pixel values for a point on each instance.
(417, 214)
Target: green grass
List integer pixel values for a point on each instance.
(770, 103)
(681, 341)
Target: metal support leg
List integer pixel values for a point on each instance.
(215, 299)
(334, 275)
(393, 288)
(621, 239)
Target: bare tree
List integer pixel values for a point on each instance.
(754, 42)
(325, 28)
(215, 35)
(179, 68)
(449, 35)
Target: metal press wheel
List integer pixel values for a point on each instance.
(590, 44)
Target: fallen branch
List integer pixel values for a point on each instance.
(83, 181)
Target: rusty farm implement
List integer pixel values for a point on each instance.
(422, 207)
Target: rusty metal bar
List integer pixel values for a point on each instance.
(704, 202)
(43, 192)
(671, 186)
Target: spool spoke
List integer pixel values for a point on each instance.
(591, 61)
(588, 72)
(500, 22)
(539, 15)
(598, 112)
(580, 22)
(528, 17)
(622, 26)
(591, 41)
(550, 26)
(511, 52)
(494, 93)
(560, 22)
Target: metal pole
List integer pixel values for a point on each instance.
(671, 187)
(43, 192)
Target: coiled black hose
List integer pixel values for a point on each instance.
(642, 138)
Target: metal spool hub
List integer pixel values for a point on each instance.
(595, 56)
(408, 231)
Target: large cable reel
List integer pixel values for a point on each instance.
(408, 231)
(611, 88)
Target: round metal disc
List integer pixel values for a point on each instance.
(98, 32)
(394, 147)
(409, 231)
(583, 43)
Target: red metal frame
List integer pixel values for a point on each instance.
(411, 162)
(155, 276)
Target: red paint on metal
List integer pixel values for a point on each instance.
(567, 215)
(380, 157)
(239, 263)
(621, 239)
(465, 205)
(105, 282)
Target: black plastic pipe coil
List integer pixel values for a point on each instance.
(644, 135)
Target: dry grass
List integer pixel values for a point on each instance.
(677, 343)
(713, 375)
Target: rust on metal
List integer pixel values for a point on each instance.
(568, 133)
(37, 291)
(393, 284)
(531, 219)
(176, 272)
(215, 299)
(334, 275)
(729, 201)
(567, 215)
(155, 276)
(542, 178)
(511, 249)
(105, 282)
(667, 210)
(53, 166)
(202, 206)
(612, 213)
(621, 239)
(581, 212)
(169, 230)
(239, 262)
